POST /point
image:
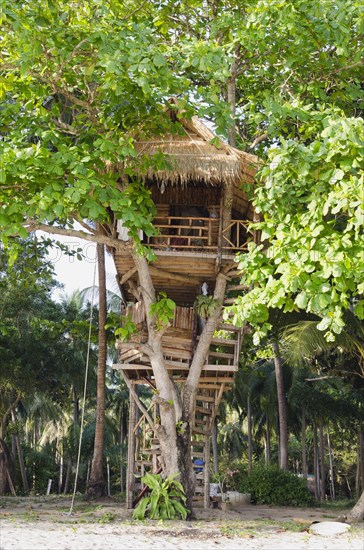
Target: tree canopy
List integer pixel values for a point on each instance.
(81, 80)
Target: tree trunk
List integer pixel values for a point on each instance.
(173, 405)
(250, 436)
(332, 480)
(75, 405)
(68, 476)
(96, 485)
(4, 419)
(360, 463)
(7, 470)
(13, 445)
(21, 458)
(322, 461)
(303, 443)
(267, 441)
(357, 513)
(231, 98)
(316, 462)
(282, 411)
(60, 477)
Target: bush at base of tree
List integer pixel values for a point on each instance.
(274, 486)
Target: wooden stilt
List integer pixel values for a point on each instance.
(206, 501)
(131, 447)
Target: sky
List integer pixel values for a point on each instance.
(75, 274)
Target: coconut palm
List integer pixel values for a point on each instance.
(343, 357)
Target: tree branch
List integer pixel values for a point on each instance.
(258, 139)
(32, 225)
(7, 413)
(207, 334)
(144, 348)
(65, 127)
(130, 14)
(73, 53)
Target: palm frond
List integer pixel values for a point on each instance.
(304, 341)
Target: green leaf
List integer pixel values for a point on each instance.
(301, 300)
(359, 309)
(159, 60)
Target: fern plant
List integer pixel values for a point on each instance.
(165, 501)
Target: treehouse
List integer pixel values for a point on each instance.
(201, 223)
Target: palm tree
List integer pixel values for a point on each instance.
(306, 343)
(282, 407)
(96, 486)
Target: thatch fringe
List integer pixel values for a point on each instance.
(197, 156)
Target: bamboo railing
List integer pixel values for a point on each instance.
(199, 234)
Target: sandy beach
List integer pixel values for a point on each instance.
(45, 524)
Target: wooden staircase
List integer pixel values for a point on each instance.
(217, 375)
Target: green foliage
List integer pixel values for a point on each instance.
(274, 486)
(127, 329)
(163, 311)
(166, 499)
(41, 466)
(205, 305)
(33, 344)
(232, 472)
(311, 202)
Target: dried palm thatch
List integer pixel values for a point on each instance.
(196, 156)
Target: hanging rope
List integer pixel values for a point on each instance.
(84, 392)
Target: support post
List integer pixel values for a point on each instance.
(131, 448)
(206, 501)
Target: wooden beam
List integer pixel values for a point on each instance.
(131, 446)
(127, 275)
(217, 379)
(207, 472)
(217, 403)
(174, 276)
(171, 365)
(137, 400)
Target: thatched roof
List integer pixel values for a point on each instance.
(197, 156)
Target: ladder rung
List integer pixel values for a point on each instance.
(221, 355)
(207, 398)
(196, 443)
(235, 272)
(202, 410)
(199, 431)
(223, 341)
(227, 326)
(236, 287)
(200, 422)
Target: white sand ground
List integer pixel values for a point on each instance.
(46, 525)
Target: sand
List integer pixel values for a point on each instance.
(45, 524)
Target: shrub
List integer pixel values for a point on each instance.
(274, 486)
(231, 474)
(165, 501)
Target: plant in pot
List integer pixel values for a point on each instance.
(220, 479)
